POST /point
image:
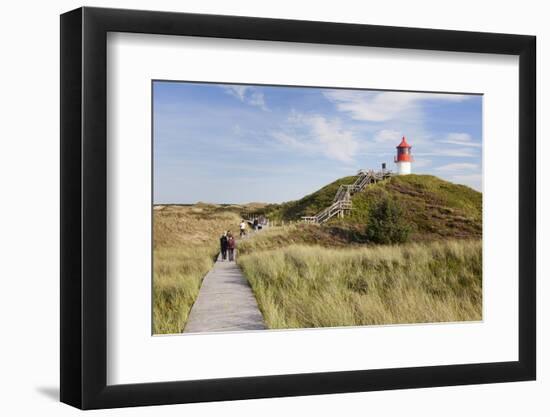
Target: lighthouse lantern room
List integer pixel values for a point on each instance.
(403, 159)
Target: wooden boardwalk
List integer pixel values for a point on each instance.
(225, 302)
(342, 204)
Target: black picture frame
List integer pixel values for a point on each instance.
(84, 207)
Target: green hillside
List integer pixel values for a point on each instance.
(433, 207)
(309, 205)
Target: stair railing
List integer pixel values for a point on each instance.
(342, 200)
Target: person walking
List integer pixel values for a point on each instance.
(256, 224)
(223, 245)
(231, 247)
(242, 228)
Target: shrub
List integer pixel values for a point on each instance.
(386, 224)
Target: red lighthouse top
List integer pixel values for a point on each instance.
(404, 144)
(403, 151)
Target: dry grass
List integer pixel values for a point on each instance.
(185, 245)
(310, 276)
(310, 286)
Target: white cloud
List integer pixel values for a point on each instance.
(383, 106)
(247, 94)
(237, 130)
(238, 91)
(289, 140)
(337, 142)
(422, 163)
(462, 173)
(471, 180)
(461, 139)
(457, 167)
(455, 153)
(256, 98)
(388, 135)
(315, 133)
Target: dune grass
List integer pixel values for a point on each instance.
(306, 275)
(301, 286)
(185, 240)
(436, 209)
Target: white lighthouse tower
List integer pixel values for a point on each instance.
(403, 159)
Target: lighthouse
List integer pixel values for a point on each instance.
(403, 159)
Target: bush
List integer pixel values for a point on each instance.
(386, 224)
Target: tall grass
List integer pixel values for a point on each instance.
(185, 241)
(310, 286)
(313, 276)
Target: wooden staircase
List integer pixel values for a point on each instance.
(341, 204)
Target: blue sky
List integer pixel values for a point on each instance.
(225, 143)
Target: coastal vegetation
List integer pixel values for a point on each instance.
(410, 251)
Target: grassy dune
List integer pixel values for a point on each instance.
(309, 205)
(185, 241)
(302, 234)
(435, 209)
(310, 286)
(306, 275)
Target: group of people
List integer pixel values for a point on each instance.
(227, 246)
(228, 242)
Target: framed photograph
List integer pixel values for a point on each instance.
(259, 208)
